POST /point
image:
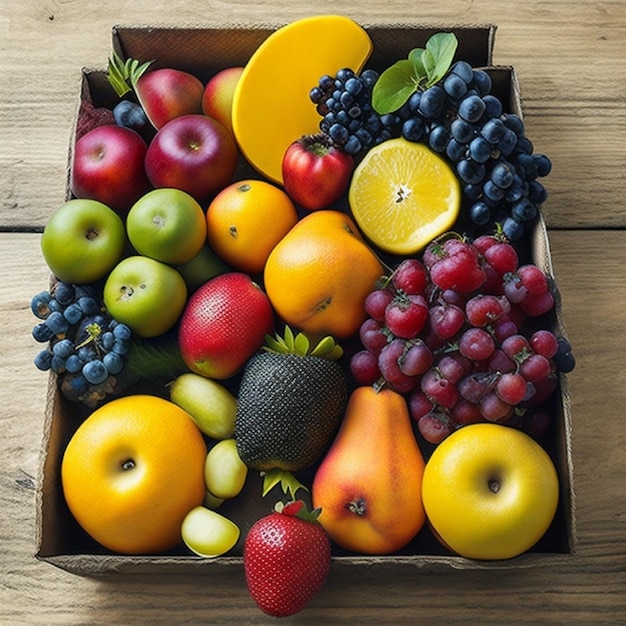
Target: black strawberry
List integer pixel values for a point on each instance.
(290, 402)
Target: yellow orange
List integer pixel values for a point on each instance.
(132, 471)
(318, 276)
(403, 195)
(246, 220)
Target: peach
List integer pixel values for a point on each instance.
(217, 99)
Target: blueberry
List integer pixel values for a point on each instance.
(543, 163)
(42, 333)
(369, 77)
(73, 364)
(480, 150)
(464, 70)
(338, 133)
(493, 131)
(95, 372)
(514, 122)
(88, 305)
(513, 230)
(438, 138)
(119, 346)
(43, 360)
(524, 210)
(73, 313)
(455, 150)
(414, 101)
(493, 106)
(480, 213)
(57, 323)
(63, 348)
(39, 305)
(353, 145)
(130, 115)
(413, 129)
(482, 82)
(354, 86)
(107, 340)
(537, 193)
(316, 95)
(472, 108)
(508, 143)
(64, 293)
(502, 174)
(454, 86)
(492, 191)
(113, 362)
(432, 102)
(462, 131)
(470, 172)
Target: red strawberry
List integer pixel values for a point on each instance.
(286, 559)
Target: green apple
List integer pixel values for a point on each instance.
(204, 266)
(83, 240)
(168, 225)
(145, 294)
(207, 533)
(209, 403)
(224, 472)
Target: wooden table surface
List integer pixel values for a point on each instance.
(569, 56)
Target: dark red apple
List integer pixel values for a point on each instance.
(165, 94)
(194, 153)
(108, 166)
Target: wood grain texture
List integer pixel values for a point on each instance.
(569, 59)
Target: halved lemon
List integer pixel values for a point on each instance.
(403, 195)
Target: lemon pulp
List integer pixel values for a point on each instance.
(403, 195)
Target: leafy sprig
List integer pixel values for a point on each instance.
(423, 68)
(123, 75)
(325, 348)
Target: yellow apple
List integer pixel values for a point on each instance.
(490, 491)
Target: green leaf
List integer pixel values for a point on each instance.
(301, 344)
(440, 49)
(289, 339)
(287, 481)
(394, 87)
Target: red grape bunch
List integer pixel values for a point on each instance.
(464, 334)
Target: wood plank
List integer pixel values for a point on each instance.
(586, 588)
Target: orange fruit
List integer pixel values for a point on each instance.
(246, 220)
(318, 276)
(403, 195)
(132, 471)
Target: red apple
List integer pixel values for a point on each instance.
(165, 94)
(194, 153)
(108, 166)
(217, 100)
(315, 172)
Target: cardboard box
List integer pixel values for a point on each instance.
(204, 52)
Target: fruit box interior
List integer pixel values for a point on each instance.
(202, 51)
